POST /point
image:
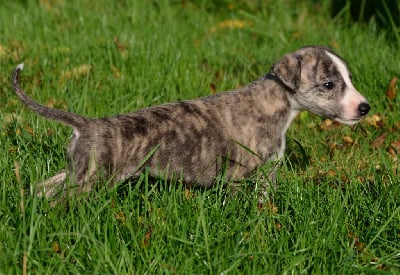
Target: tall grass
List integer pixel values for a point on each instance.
(337, 206)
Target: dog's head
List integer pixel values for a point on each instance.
(320, 82)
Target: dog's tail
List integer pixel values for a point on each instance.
(68, 118)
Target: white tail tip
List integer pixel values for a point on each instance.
(20, 66)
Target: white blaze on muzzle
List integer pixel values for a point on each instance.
(352, 99)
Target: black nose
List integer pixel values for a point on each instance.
(363, 108)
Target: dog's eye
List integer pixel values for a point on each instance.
(329, 85)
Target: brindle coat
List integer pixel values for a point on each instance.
(240, 130)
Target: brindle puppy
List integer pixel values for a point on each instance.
(194, 139)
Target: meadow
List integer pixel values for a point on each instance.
(337, 208)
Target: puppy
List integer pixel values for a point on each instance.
(236, 131)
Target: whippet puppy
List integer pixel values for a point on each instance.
(236, 131)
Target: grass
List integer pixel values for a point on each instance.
(337, 208)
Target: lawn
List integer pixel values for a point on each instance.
(337, 208)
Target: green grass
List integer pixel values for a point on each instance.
(337, 206)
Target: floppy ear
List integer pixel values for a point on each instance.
(288, 71)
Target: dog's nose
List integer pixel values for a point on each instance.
(363, 108)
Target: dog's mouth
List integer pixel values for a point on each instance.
(349, 121)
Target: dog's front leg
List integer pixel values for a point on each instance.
(267, 183)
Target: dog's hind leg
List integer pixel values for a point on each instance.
(52, 186)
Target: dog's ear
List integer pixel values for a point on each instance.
(288, 71)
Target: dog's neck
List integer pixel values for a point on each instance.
(274, 77)
(293, 105)
(262, 109)
(270, 109)
(286, 95)
(287, 111)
